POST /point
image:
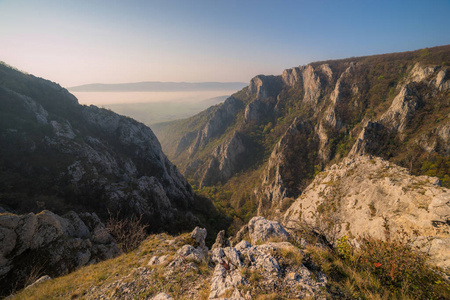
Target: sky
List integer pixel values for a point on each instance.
(111, 41)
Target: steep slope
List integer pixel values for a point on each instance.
(56, 154)
(395, 106)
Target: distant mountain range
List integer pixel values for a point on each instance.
(156, 86)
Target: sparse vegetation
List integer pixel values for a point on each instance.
(128, 232)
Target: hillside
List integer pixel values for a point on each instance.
(59, 155)
(259, 149)
(66, 169)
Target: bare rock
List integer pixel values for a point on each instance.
(58, 244)
(242, 245)
(233, 256)
(221, 241)
(228, 159)
(223, 280)
(162, 296)
(262, 86)
(39, 281)
(442, 83)
(199, 235)
(222, 117)
(292, 76)
(370, 190)
(401, 109)
(420, 72)
(189, 252)
(311, 85)
(262, 230)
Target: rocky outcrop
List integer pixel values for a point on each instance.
(371, 139)
(263, 90)
(356, 196)
(233, 265)
(220, 242)
(442, 81)
(292, 76)
(263, 86)
(339, 94)
(244, 271)
(227, 160)
(52, 244)
(311, 85)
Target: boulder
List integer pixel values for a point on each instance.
(262, 230)
(189, 252)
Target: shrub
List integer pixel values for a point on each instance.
(128, 232)
(398, 264)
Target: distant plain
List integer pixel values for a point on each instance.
(154, 107)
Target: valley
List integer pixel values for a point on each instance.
(295, 186)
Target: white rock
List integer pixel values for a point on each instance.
(262, 230)
(189, 252)
(162, 296)
(242, 245)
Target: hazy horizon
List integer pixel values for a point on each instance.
(81, 42)
(106, 98)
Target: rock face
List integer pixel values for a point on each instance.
(56, 154)
(227, 160)
(263, 86)
(217, 124)
(398, 117)
(55, 245)
(403, 106)
(357, 195)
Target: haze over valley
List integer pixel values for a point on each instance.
(156, 102)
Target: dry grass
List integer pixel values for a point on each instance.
(88, 281)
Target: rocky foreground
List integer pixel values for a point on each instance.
(183, 267)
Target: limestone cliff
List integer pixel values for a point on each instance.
(395, 106)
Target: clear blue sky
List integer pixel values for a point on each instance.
(110, 41)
